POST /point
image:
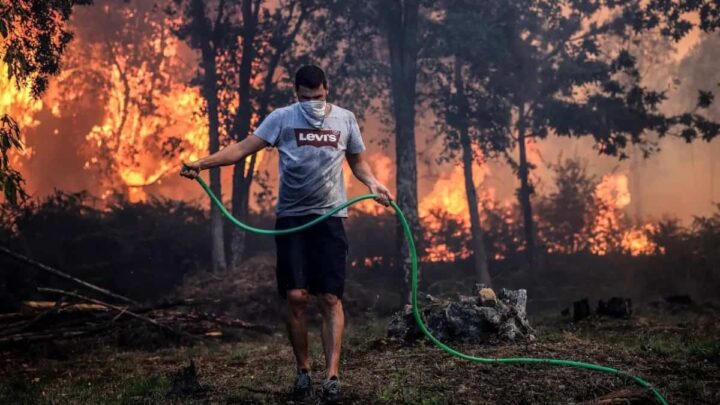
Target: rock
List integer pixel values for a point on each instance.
(468, 319)
(616, 307)
(487, 297)
(581, 309)
(517, 299)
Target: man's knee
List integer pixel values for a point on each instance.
(297, 299)
(329, 301)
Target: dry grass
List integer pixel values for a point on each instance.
(683, 360)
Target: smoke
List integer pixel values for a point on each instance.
(680, 180)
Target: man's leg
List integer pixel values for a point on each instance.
(297, 327)
(333, 323)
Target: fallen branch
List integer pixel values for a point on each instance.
(188, 302)
(65, 276)
(58, 305)
(119, 309)
(13, 317)
(50, 335)
(44, 305)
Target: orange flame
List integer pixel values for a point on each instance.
(18, 102)
(608, 234)
(135, 142)
(637, 241)
(449, 197)
(382, 167)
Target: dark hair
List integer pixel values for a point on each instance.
(310, 76)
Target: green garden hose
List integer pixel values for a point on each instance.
(416, 310)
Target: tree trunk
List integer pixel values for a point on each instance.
(712, 155)
(242, 177)
(480, 262)
(635, 184)
(524, 194)
(402, 21)
(209, 92)
(242, 180)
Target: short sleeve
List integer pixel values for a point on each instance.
(355, 142)
(270, 128)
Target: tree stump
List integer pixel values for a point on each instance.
(484, 318)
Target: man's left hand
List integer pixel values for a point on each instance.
(383, 194)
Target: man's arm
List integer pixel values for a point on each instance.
(226, 156)
(361, 169)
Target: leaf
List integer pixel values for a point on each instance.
(705, 98)
(689, 134)
(10, 191)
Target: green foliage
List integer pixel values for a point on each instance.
(703, 348)
(354, 65)
(277, 52)
(672, 17)
(141, 250)
(398, 391)
(707, 349)
(11, 181)
(662, 345)
(506, 73)
(693, 252)
(142, 390)
(19, 390)
(567, 211)
(534, 58)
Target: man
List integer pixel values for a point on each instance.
(313, 137)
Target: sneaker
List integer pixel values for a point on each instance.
(303, 384)
(331, 390)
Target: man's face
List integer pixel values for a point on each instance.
(306, 93)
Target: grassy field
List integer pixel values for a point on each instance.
(679, 354)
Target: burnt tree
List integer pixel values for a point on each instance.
(208, 37)
(401, 25)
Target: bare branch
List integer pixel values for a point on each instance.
(121, 310)
(65, 276)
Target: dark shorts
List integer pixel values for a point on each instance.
(313, 259)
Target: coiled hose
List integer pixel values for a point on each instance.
(415, 309)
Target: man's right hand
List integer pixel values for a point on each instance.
(190, 170)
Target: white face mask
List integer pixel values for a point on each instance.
(314, 112)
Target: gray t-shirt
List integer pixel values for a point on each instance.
(311, 177)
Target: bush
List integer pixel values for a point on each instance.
(141, 250)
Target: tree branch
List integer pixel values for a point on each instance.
(121, 310)
(65, 276)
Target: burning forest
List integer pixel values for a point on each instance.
(543, 157)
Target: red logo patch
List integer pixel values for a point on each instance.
(317, 137)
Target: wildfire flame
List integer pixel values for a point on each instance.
(140, 146)
(18, 102)
(449, 197)
(151, 121)
(613, 196)
(382, 167)
(637, 241)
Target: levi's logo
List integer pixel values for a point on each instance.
(317, 137)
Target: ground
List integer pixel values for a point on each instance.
(680, 354)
